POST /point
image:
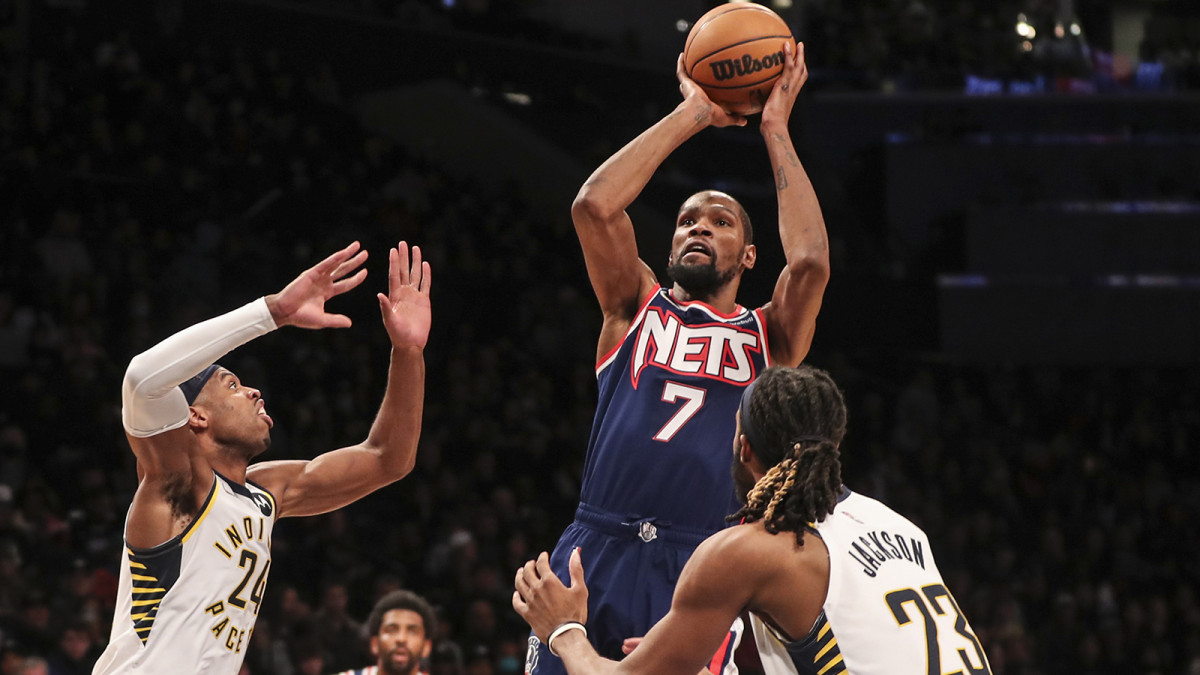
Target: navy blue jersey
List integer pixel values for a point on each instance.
(662, 439)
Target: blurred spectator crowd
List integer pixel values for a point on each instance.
(1026, 46)
(151, 183)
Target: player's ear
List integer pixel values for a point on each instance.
(428, 647)
(749, 256)
(375, 647)
(197, 418)
(744, 452)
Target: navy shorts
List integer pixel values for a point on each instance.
(630, 567)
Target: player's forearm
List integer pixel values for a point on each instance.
(397, 428)
(579, 657)
(619, 180)
(151, 400)
(801, 223)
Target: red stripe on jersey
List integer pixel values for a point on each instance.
(718, 660)
(634, 324)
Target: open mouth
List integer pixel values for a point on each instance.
(695, 249)
(262, 412)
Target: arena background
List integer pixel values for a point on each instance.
(1014, 311)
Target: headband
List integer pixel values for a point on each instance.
(191, 388)
(748, 429)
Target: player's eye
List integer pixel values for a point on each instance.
(723, 223)
(686, 222)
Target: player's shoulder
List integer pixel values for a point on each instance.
(741, 548)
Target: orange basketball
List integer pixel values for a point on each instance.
(735, 53)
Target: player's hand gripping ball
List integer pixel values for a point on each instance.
(735, 53)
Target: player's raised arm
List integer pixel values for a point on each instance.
(620, 279)
(339, 477)
(156, 411)
(792, 312)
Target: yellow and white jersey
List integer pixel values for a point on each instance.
(189, 604)
(887, 609)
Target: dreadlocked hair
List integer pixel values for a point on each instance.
(799, 417)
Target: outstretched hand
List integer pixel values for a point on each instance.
(405, 308)
(302, 302)
(542, 600)
(778, 108)
(716, 116)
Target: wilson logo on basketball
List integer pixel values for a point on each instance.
(729, 68)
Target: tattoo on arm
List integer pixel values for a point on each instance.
(781, 181)
(791, 156)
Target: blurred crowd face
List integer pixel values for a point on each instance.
(401, 643)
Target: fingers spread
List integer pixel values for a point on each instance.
(415, 268)
(401, 264)
(426, 278)
(347, 284)
(348, 266)
(336, 259)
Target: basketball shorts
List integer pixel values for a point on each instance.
(631, 567)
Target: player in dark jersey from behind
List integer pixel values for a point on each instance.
(672, 362)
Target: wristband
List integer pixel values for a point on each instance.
(562, 628)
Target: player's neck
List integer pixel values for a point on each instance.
(226, 462)
(724, 299)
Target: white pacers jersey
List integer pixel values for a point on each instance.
(887, 610)
(189, 604)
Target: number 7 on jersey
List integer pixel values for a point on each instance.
(693, 400)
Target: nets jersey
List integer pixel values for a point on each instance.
(887, 609)
(662, 439)
(190, 603)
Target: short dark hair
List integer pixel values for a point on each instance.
(747, 228)
(403, 600)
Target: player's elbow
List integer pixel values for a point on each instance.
(589, 209)
(813, 266)
(137, 377)
(397, 464)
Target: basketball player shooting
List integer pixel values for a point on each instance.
(834, 581)
(672, 362)
(198, 532)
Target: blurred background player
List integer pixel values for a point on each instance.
(672, 362)
(198, 533)
(402, 627)
(834, 581)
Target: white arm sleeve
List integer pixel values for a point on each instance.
(151, 401)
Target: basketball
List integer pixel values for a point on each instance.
(735, 53)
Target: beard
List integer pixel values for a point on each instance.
(743, 481)
(387, 665)
(700, 281)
